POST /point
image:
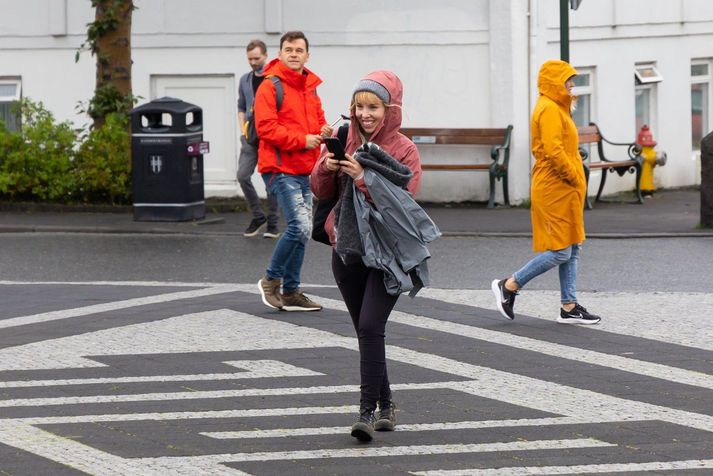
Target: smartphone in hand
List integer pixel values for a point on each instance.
(334, 145)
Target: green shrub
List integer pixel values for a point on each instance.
(36, 162)
(103, 163)
(53, 162)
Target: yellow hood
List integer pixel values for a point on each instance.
(550, 81)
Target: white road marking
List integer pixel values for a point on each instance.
(255, 369)
(113, 306)
(626, 313)
(576, 469)
(217, 330)
(209, 331)
(382, 451)
(168, 416)
(420, 427)
(207, 394)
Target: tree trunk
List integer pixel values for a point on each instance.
(113, 53)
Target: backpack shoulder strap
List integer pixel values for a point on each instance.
(279, 91)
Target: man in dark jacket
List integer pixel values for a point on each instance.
(289, 147)
(249, 82)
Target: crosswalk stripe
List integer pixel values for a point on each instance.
(576, 469)
(417, 427)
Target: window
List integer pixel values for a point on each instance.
(700, 101)
(646, 74)
(646, 77)
(10, 90)
(583, 89)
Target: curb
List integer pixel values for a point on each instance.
(7, 229)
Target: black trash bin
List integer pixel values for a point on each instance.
(167, 150)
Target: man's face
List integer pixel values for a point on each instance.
(294, 54)
(256, 59)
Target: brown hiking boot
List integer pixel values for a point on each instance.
(270, 292)
(296, 301)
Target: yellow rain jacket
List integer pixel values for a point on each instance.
(558, 182)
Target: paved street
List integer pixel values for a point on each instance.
(152, 354)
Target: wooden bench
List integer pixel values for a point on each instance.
(592, 135)
(499, 153)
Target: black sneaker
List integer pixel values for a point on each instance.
(387, 416)
(363, 429)
(256, 224)
(578, 315)
(504, 298)
(271, 232)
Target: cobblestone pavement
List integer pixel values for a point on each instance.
(143, 378)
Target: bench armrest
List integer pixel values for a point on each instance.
(633, 149)
(505, 146)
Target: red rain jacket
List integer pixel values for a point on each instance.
(282, 133)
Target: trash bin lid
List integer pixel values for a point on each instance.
(166, 104)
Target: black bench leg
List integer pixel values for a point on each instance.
(601, 184)
(639, 197)
(587, 203)
(491, 199)
(506, 195)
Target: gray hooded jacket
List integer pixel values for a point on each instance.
(394, 230)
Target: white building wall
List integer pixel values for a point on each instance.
(613, 36)
(464, 63)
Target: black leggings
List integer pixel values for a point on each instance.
(369, 306)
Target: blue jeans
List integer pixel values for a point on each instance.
(295, 199)
(566, 259)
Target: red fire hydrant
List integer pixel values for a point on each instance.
(651, 159)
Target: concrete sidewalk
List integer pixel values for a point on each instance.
(667, 213)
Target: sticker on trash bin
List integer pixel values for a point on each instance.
(198, 148)
(155, 164)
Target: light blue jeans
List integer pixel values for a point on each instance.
(295, 199)
(566, 259)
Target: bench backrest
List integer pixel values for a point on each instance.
(589, 134)
(422, 135)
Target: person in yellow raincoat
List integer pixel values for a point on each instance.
(557, 197)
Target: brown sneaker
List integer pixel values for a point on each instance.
(296, 301)
(270, 292)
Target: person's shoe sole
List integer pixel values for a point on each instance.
(262, 295)
(362, 432)
(269, 234)
(384, 425)
(298, 308)
(498, 299)
(580, 322)
(257, 230)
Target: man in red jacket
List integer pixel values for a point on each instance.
(289, 147)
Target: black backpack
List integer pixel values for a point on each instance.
(321, 211)
(249, 129)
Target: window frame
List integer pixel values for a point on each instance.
(9, 100)
(706, 79)
(642, 79)
(18, 90)
(650, 84)
(588, 90)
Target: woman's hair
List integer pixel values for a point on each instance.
(366, 97)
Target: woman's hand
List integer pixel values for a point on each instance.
(351, 167)
(330, 163)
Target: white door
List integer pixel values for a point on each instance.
(215, 94)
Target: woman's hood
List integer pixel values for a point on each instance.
(392, 120)
(550, 81)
